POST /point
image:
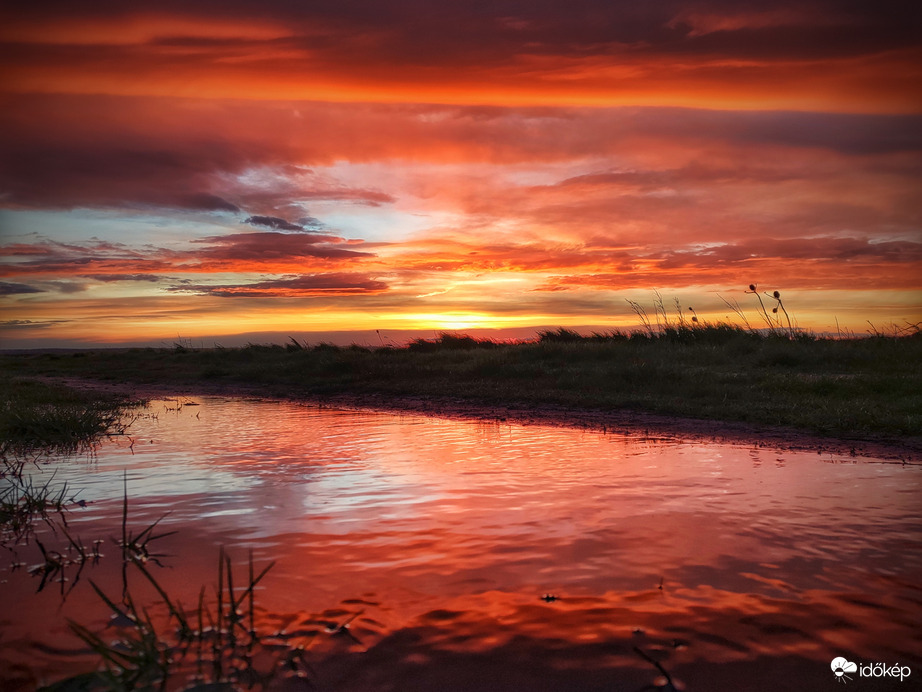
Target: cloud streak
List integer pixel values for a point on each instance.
(111, 262)
(290, 287)
(12, 289)
(268, 246)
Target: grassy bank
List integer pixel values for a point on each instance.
(38, 417)
(847, 388)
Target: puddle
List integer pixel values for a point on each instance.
(491, 556)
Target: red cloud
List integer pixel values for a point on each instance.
(269, 246)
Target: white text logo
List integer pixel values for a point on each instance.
(842, 667)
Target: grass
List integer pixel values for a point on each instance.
(23, 499)
(216, 645)
(153, 642)
(37, 419)
(213, 645)
(50, 418)
(848, 388)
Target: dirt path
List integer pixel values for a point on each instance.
(639, 423)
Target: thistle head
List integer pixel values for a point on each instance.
(775, 310)
(752, 287)
(776, 295)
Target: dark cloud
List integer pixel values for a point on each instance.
(91, 257)
(29, 324)
(416, 32)
(10, 289)
(111, 152)
(312, 223)
(299, 286)
(271, 245)
(102, 261)
(207, 202)
(30, 249)
(66, 287)
(844, 250)
(846, 133)
(153, 278)
(273, 222)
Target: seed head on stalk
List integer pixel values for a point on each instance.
(768, 320)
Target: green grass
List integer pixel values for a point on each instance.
(848, 388)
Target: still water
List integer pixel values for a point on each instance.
(491, 556)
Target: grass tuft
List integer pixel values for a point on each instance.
(213, 646)
(39, 416)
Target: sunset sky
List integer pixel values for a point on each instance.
(200, 170)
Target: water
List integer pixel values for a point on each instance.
(493, 556)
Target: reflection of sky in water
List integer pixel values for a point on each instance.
(481, 518)
(272, 468)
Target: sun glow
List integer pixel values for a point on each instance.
(453, 321)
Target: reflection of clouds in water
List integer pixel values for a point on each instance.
(541, 490)
(474, 521)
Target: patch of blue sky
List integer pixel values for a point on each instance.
(376, 224)
(163, 228)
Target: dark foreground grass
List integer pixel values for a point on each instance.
(849, 388)
(36, 420)
(38, 416)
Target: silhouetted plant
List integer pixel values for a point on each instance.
(448, 341)
(735, 307)
(559, 335)
(294, 345)
(753, 289)
(222, 637)
(641, 313)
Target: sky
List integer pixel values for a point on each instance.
(197, 171)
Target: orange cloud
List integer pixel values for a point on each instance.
(865, 84)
